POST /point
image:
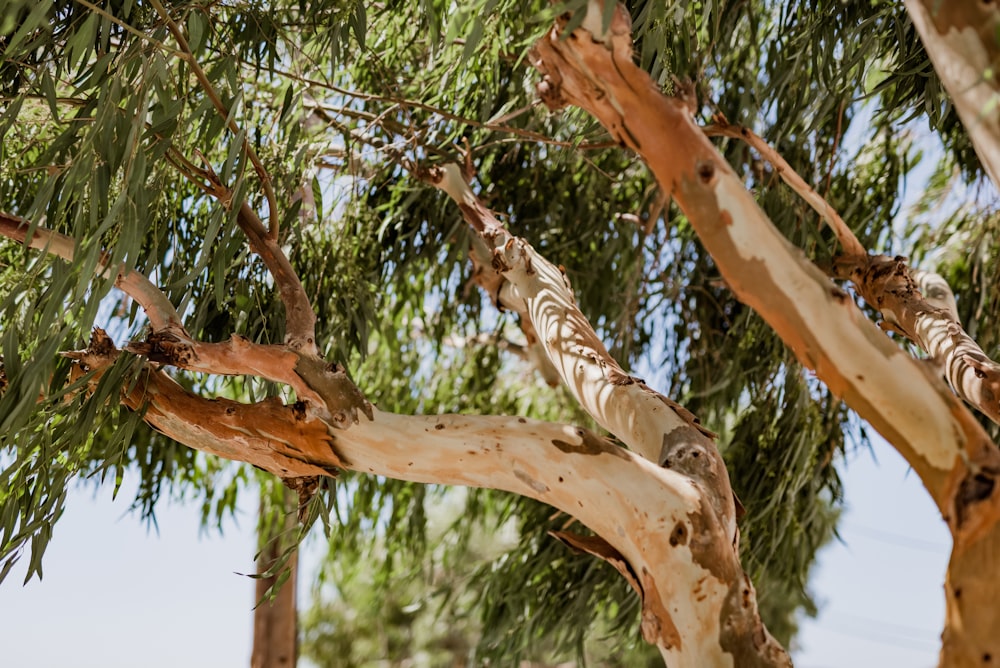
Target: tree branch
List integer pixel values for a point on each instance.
(159, 310)
(523, 281)
(267, 434)
(886, 284)
(186, 54)
(960, 38)
(897, 395)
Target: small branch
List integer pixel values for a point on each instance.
(161, 313)
(126, 27)
(491, 125)
(265, 179)
(853, 249)
(239, 356)
(300, 319)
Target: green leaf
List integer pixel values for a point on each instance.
(197, 26)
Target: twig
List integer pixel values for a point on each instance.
(126, 27)
(187, 55)
(493, 126)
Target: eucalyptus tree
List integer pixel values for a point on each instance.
(376, 249)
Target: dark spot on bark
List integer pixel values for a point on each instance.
(679, 535)
(591, 444)
(522, 420)
(987, 657)
(471, 452)
(838, 294)
(536, 485)
(439, 426)
(973, 489)
(409, 464)
(958, 593)
(299, 410)
(560, 478)
(230, 410)
(706, 170)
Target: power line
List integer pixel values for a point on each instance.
(896, 539)
(879, 631)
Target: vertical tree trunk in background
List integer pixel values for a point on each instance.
(275, 622)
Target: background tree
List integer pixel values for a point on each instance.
(176, 142)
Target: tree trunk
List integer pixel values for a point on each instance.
(275, 621)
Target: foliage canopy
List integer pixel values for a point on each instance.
(106, 129)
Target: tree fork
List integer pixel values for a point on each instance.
(903, 399)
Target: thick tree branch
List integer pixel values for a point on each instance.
(645, 420)
(898, 396)
(159, 310)
(960, 37)
(267, 434)
(656, 523)
(890, 286)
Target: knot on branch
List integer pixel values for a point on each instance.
(306, 487)
(342, 397)
(164, 347)
(100, 353)
(881, 275)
